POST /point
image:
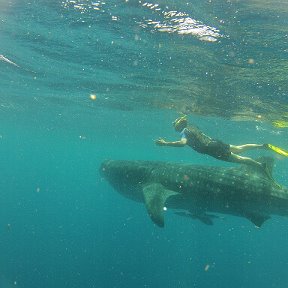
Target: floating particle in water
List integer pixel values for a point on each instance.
(207, 267)
(251, 61)
(93, 97)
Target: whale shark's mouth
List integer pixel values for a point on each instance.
(104, 168)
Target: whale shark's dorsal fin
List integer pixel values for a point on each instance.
(252, 169)
(155, 196)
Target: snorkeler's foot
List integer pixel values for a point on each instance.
(276, 149)
(266, 146)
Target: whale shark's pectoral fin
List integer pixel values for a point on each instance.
(257, 219)
(155, 196)
(203, 217)
(206, 218)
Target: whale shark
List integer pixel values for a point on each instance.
(198, 191)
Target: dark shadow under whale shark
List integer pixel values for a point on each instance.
(195, 191)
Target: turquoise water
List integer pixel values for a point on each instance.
(61, 224)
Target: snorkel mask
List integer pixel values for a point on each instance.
(180, 123)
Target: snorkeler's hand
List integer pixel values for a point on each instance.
(160, 142)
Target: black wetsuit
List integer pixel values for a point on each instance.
(202, 143)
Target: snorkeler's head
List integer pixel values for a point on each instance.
(180, 123)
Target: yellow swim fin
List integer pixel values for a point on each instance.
(278, 150)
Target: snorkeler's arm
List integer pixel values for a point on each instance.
(180, 143)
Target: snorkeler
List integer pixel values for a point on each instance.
(198, 141)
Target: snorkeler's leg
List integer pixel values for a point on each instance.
(242, 148)
(244, 160)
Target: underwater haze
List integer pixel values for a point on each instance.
(84, 81)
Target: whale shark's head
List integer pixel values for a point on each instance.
(118, 170)
(127, 177)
